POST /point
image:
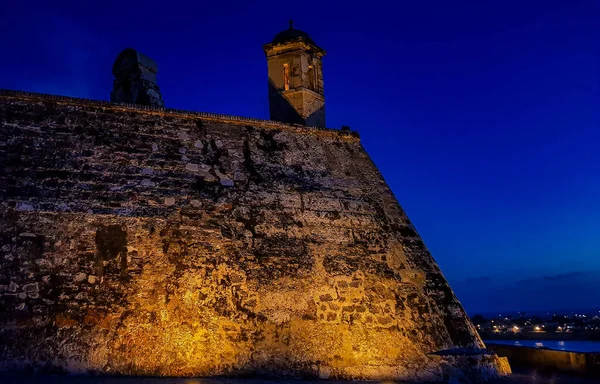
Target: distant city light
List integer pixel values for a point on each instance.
(584, 325)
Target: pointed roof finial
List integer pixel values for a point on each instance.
(291, 24)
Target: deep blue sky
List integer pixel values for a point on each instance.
(483, 116)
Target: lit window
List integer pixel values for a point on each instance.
(286, 77)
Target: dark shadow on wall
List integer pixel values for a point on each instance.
(281, 109)
(111, 244)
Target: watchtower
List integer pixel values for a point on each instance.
(295, 78)
(135, 80)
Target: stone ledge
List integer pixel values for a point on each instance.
(7, 93)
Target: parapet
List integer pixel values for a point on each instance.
(263, 123)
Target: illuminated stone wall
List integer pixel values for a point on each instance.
(136, 241)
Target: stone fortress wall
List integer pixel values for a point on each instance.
(542, 359)
(139, 240)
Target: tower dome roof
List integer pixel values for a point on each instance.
(291, 34)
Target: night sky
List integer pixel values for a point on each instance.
(483, 116)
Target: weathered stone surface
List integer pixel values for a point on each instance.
(283, 251)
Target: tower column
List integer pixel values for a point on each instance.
(135, 80)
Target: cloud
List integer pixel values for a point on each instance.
(562, 277)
